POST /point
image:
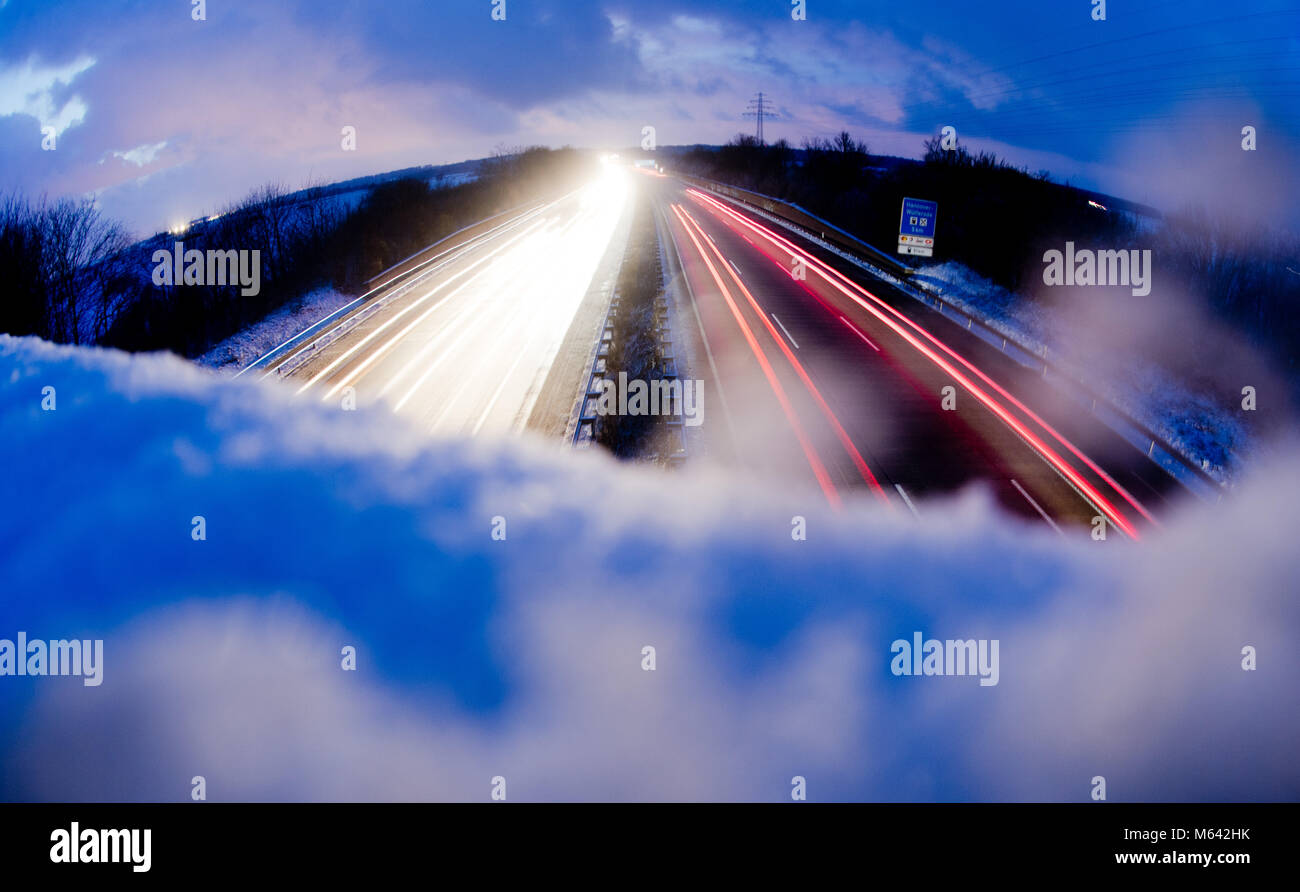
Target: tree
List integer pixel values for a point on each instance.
(63, 269)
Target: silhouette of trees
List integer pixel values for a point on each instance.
(70, 274)
(62, 271)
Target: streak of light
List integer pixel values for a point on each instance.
(845, 440)
(814, 460)
(880, 309)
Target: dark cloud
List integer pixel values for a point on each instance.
(260, 91)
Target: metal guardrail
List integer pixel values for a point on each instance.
(587, 417)
(1174, 461)
(792, 213)
(392, 286)
(405, 267)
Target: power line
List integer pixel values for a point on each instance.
(1152, 33)
(758, 109)
(1093, 73)
(1041, 110)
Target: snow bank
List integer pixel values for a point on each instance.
(522, 658)
(238, 350)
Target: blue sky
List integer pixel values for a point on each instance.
(166, 118)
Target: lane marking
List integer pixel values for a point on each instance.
(382, 349)
(525, 322)
(845, 440)
(1085, 491)
(496, 395)
(514, 284)
(853, 328)
(787, 332)
(1037, 507)
(447, 257)
(704, 338)
(809, 451)
(1072, 477)
(907, 501)
(473, 326)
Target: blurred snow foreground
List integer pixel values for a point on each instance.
(525, 658)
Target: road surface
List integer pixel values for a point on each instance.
(467, 345)
(826, 374)
(815, 372)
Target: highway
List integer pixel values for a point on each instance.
(817, 373)
(838, 380)
(466, 346)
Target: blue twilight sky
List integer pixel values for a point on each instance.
(166, 118)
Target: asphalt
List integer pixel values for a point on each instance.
(816, 389)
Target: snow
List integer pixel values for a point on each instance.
(522, 658)
(446, 180)
(1191, 422)
(343, 203)
(238, 350)
(1002, 310)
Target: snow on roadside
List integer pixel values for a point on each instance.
(1190, 421)
(1025, 321)
(522, 655)
(238, 350)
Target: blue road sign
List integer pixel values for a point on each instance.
(916, 227)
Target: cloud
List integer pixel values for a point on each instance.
(37, 90)
(426, 85)
(141, 155)
(522, 658)
(431, 84)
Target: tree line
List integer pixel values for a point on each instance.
(71, 274)
(999, 220)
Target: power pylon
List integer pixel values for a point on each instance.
(758, 109)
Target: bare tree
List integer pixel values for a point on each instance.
(81, 250)
(61, 265)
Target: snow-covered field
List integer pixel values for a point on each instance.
(238, 350)
(1190, 421)
(346, 201)
(521, 655)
